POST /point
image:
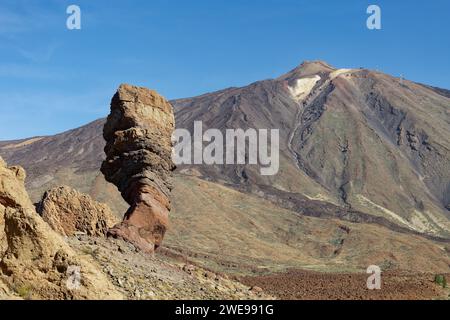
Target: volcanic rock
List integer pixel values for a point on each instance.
(68, 211)
(138, 161)
(35, 260)
(12, 195)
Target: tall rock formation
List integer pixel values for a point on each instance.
(138, 161)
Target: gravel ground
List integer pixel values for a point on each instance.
(307, 285)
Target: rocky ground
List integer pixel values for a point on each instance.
(307, 285)
(37, 257)
(159, 277)
(39, 261)
(167, 275)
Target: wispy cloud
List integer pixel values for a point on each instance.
(16, 20)
(39, 55)
(11, 23)
(20, 71)
(21, 22)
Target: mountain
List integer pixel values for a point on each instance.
(359, 139)
(365, 155)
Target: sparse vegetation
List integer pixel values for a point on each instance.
(387, 265)
(440, 280)
(24, 291)
(87, 251)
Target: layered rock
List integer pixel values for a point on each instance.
(68, 211)
(35, 262)
(12, 195)
(138, 161)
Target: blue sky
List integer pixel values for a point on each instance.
(53, 79)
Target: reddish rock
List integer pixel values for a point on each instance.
(256, 289)
(138, 161)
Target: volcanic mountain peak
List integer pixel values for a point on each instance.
(308, 68)
(315, 64)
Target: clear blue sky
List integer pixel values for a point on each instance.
(53, 79)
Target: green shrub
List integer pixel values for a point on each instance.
(24, 291)
(440, 280)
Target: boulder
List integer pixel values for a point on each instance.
(68, 211)
(138, 161)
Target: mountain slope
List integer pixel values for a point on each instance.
(230, 231)
(361, 139)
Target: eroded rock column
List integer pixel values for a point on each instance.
(138, 161)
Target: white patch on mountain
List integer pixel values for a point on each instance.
(303, 87)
